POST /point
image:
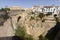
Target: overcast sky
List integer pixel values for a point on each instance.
(28, 3)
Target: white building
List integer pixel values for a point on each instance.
(46, 9)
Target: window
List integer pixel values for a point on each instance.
(54, 9)
(51, 10)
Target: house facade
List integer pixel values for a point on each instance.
(46, 9)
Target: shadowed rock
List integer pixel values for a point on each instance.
(53, 32)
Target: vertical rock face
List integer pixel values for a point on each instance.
(6, 30)
(33, 25)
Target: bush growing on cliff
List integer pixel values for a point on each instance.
(32, 18)
(5, 9)
(56, 18)
(41, 15)
(21, 32)
(42, 38)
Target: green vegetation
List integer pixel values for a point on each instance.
(21, 32)
(43, 20)
(49, 13)
(41, 15)
(56, 18)
(32, 18)
(28, 37)
(32, 12)
(42, 38)
(5, 9)
(3, 15)
(55, 15)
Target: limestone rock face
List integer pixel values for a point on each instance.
(33, 25)
(6, 30)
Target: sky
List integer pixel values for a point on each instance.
(27, 3)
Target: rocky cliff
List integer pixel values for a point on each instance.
(31, 21)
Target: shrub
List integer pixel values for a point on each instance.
(56, 18)
(55, 15)
(41, 15)
(32, 18)
(21, 32)
(42, 38)
(49, 13)
(29, 37)
(43, 20)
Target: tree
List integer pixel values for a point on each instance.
(21, 32)
(55, 15)
(29, 37)
(32, 12)
(41, 15)
(42, 38)
(32, 18)
(5, 9)
(56, 18)
(6, 12)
